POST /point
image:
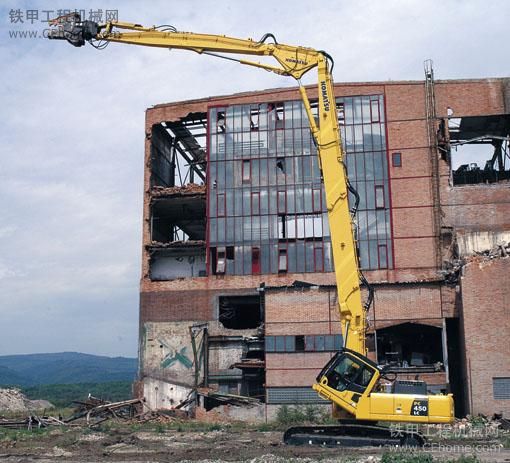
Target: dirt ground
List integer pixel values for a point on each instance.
(128, 444)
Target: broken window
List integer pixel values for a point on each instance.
(221, 261)
(178, 151)
(178, 215)
(410, 345)
(240, 312)
(478, 148)
(181, 261)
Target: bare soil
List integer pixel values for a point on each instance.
(131, 444)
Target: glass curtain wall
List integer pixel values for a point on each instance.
(266, 203)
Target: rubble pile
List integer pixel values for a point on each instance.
(161, 416)
(501, 250)
(471, 427)
(186, 190)
(452, 268)
(13, 400)
(94, 411)
(177, 244)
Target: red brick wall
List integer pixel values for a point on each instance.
(412, 223)
(166, 306)
(470, 97)
(292, 370)
(486, 323)
(477, 207)
(402, 303)
(301, 312)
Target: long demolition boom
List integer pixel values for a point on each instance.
(292, 61)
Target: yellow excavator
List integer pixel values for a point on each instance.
(350, 380)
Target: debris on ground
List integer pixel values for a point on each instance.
(30, 422)
(162, 416)
(227, 398)
(96, 410)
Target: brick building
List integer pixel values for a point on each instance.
(237, 289)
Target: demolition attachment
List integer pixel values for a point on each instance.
(70, 27)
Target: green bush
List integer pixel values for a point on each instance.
(297, 414)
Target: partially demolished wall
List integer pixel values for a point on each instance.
(415, 242)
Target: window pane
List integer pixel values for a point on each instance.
(383, 256)
(282, 260)
(319, 343)
(255, 203)
(221, 204)
(379, 197)
(374, 108)
(396, 159)
(290, 343)
(279, 343)
(282, 207)
(246, 171)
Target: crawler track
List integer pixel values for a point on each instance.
(350, 435)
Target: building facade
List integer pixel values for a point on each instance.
(237, 290)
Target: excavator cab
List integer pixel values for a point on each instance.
(346, 378)
(349, 373)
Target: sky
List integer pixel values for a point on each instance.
(72, 135)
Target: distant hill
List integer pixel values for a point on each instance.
(10, 377)
(64, 368)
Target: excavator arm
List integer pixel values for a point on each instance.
(292, 61)
(350, 379)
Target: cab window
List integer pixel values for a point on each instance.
(350, 374)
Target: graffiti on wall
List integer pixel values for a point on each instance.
(175, 356)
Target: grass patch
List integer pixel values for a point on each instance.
(15, 435)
